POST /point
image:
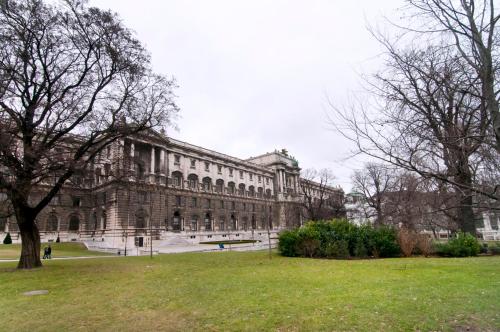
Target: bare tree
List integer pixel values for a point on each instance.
(73, 80)
(373, 182)
(472, 24)
(320, 200)
(429, 120)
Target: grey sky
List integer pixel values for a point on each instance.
(254, 76)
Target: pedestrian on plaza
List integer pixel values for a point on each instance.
(49, 252)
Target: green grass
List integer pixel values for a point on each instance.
(68, 249)
(245, 291)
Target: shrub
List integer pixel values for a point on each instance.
(384, 242)
(7, 239)
(484, 248)
(407, 240)
(340, 249)
(287, 244)
(462, 245)
(360, 249)
(308, 242)
(494, 249)
(424, 244)
(338, 239)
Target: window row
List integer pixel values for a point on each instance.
(207, 203)
(206, 184)
(208, 165)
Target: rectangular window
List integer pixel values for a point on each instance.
(193, 163)
(177, 159)
(208, 203)
(253, 207)
(267, 180)
(207, 166)
(178, 200)
(233, 205)
(230, 172)
(76, 201)
(244, 206)
(251, 176)
(241, 174)
(219, 169)
(222, 204)
(194, 202)
(259, 178)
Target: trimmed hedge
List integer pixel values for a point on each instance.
(339, 239)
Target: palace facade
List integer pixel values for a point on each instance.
(155, 188)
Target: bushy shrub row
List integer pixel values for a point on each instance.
(461, 245)
(339, 239)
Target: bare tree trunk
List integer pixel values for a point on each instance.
(30, 237)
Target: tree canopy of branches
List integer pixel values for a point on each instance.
(319, 200)
(373, 182)
(429, 118)
(472, 26)
(73, 79)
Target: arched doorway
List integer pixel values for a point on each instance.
(208, 222)
(74, 223)
(52, 223)
(176, 221)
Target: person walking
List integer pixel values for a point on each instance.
(45, 252)
(49, 252)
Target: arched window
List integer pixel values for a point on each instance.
(176, 222)
(177, 179)
(140, 219)
(241, 189)
(208, 222)
(193, 181)
(233, 222)
(245, 223)
(207, 184)
(251, 191)
(260, 192)
(52, 223)
(221, 223)
(104, 219)
(194, 223)
(74, 223)
(231, 188)
(219, 186)
(94, 221)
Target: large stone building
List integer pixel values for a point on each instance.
(155, 188)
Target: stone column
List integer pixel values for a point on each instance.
(283, 180)
(132, 155)
(152, 160)
(162, 162)
(278, 176)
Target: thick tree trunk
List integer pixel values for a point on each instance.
(30, 237)
(465, 218)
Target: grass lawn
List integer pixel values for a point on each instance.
(68, 249)
(235, 291)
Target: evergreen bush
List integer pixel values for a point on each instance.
(7, 239)
(462, 245)
(338, 239)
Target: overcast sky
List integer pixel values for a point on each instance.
(255, 76)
